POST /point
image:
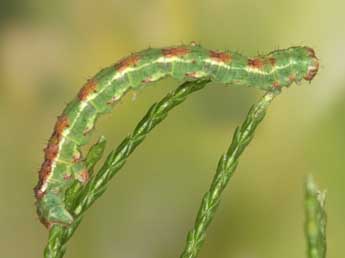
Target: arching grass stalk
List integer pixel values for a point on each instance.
(79, 199)
(226, 167)
(316, 219)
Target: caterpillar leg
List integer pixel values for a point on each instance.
(80, 172)
(51, 210)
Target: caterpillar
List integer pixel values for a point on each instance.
(63, 160)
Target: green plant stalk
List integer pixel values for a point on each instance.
(316, 220)
(79, 199)
(226, 167)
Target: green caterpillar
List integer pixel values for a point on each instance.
(64, 163)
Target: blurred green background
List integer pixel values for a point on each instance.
(49, 48)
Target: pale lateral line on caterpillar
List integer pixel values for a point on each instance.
(274, 69)
(187, 62)
(57, 160)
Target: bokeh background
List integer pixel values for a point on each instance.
(49, 48)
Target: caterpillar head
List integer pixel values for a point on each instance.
(312, 63)
(305, 64)
(282, 68)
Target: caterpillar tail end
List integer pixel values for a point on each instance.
(51, 211)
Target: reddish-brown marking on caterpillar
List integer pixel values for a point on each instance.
(259, 63)
(276, 85)
(51, 151)
(50, 154)
(220, 56)
(87, 89)
(175, 51)
(43, 175)
(311, 52)
(255, 63)
(84, 176)
(312, 71)
(272, 61)
(61, 124)
(129, 61)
